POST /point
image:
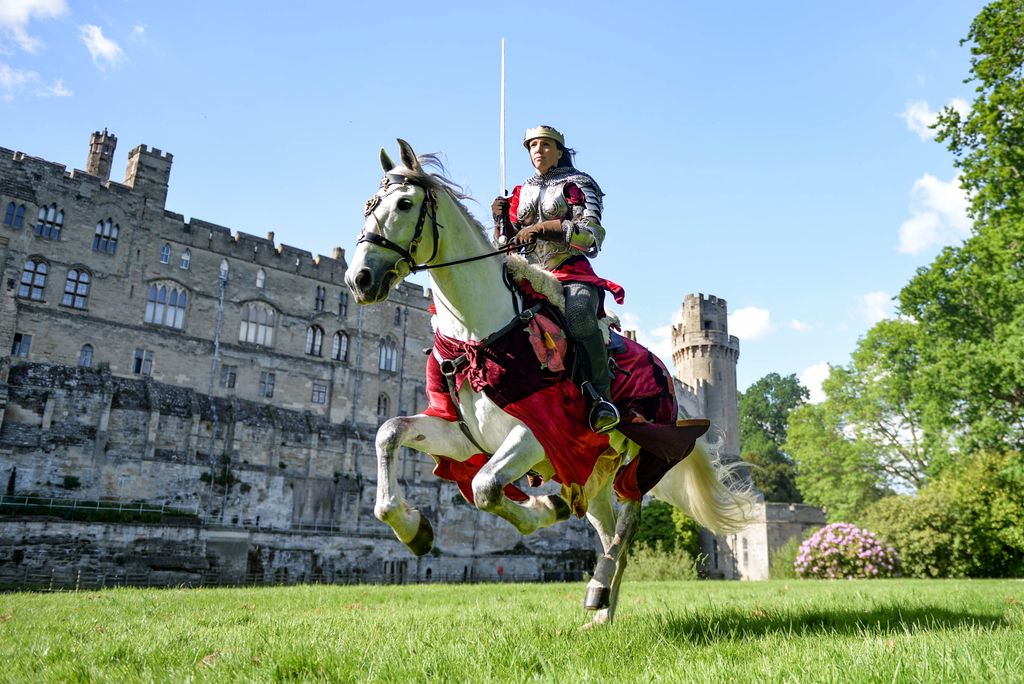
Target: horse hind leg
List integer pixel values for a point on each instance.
(603, 588)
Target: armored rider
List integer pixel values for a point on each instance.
(560, 210)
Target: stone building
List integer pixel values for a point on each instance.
(181, 364)
(705, 357)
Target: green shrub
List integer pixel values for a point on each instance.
(656, 563)
(845, 551)
(783, 561)
(967, 523)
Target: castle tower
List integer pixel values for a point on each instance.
(705, 357)
(101, 154)
(149, 172)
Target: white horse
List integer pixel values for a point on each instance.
(415, 221)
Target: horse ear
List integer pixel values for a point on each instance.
(385, 160)
(408, 156)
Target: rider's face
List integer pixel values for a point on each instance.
(544, 154)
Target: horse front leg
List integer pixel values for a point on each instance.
(519, 453)
(423, 433)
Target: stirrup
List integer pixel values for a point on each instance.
(604, 417)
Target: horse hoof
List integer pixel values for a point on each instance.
(597, 598)
(562, 510)
(423, 541)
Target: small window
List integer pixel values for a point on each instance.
(14, 216)
(321, 296)
(343, 304)
(165, 254)
(21, 346)
(339, 350)
(228, 375)
(314, 340)
(85, 356)
(142, 364)
(708, 323)
(186, 259)
(33, 280)
(266, 384)
(398, 316)
(745, 552)
(76, 289)
(105, 239)
(387, 355)
(50, 222)
(319, 393)
(261, 278)
(383, 407)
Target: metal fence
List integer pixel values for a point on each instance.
(123, 507)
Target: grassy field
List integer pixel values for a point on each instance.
(799, 631)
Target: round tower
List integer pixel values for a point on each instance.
(101, 154)
(705, 356)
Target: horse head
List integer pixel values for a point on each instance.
(399, 232)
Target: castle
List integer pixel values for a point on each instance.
(217, 379)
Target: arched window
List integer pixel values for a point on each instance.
(105, 239)
(50, 222)
(398, 316)
(314, 340)
(33, 279)
(186, 259)
(257, 325)
(321, 296)
(261, 278)
(15, 215)
(76, 289)
(339, 350)
(165, 254)
(165, 305)
(387, 355)
(85, 356)
(383, 407)
(343, 304)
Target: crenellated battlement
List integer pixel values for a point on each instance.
(152, 152)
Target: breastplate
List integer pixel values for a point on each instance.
(540, 202)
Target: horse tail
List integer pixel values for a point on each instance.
(709, 491)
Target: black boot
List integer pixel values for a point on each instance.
(604, 417)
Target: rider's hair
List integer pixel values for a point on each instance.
(568, 154)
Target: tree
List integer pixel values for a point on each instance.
(968, 302)
(764, 410)
(833, 472)
(989, 141)
(866, 438)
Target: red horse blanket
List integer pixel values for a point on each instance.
(526, 372)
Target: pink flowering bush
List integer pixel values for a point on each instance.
(845, 551)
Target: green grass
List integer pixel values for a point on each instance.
(797, 631)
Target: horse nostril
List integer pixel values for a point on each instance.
(363, 279)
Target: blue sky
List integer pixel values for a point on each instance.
(773, 154)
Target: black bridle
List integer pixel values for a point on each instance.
(428, 209)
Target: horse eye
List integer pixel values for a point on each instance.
(405, 203)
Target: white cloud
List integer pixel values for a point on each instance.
(55, 90)
(919, 116)
(139, 31)
(812, 377)
(13, 80)
(104, 51)
(876, 306)
(938, 215)
(750, 323)
(15, 16)
(800, 326)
